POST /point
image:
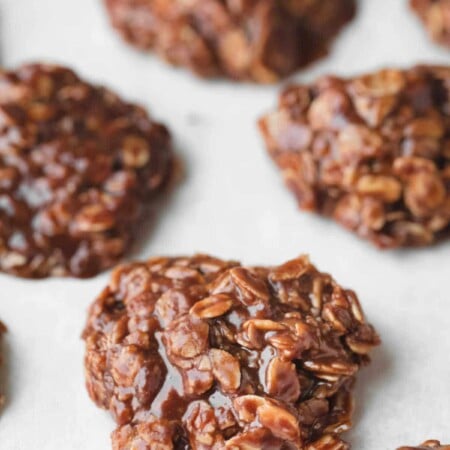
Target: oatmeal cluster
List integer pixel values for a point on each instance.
(372, 152)
(435, 14)
(77, 167)
(428, 445)
(257, 40)
(3, 330)
(206, 354)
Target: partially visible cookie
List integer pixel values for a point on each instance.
(435, 14)
(2, 332)
(78, 166)
(200, 353)
(427, 445)
(256, 40)
(372, 152)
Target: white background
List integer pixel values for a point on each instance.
(231, 204)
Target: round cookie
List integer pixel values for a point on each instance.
(256, 40)
(435, 15)
(372, 152)
(428, 445)
(200, 353)
(78, 165)
(3, 330)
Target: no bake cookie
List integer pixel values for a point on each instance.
(372, 152)
(257, 40)
(200, 353)
(78, 165)
(3, 330)
(435, 15)
(428, 445)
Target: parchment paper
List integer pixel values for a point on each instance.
(232, 204)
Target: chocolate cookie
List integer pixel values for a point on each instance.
(372, 152)
(77, 167)
(199, 353)
(257, 40)
(435, 14)
(427, 445)
(2, 332)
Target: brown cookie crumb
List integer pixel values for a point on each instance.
(200, 353)
(77, 167)
(257, 40)
(372, 152)
(427, 445)
(435, 14)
